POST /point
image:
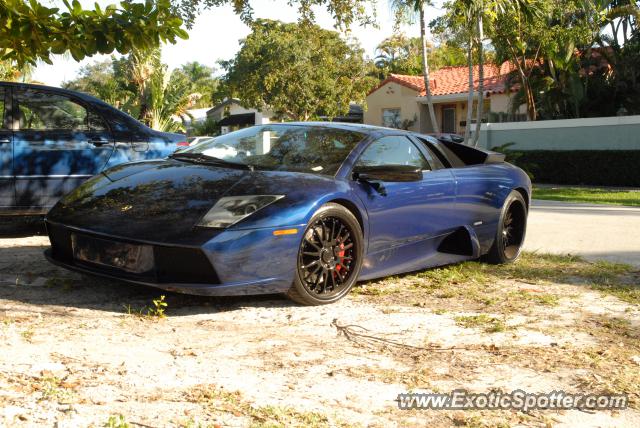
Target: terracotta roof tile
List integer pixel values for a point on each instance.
(452, 80)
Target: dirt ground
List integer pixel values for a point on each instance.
(79, 352)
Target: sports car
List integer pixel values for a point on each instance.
(305, 209)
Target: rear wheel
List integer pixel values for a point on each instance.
(510, 235)
(329, 257)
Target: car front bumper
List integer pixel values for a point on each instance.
(232, 262)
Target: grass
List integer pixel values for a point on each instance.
(155, 311)
(53, 389)
(589, 195)
(220, 400)
(488, 323)
(28, 334)
(485, 297)
(489, 285)
(118, 421)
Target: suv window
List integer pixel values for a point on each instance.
(2, 108)
(394, 150)
(43, 111)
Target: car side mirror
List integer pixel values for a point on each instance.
(387, 173)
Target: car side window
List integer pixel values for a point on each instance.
(393, 150)
(95, 122)
(432, 148)
(42, 111)
(433, 158)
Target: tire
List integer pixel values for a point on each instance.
(329, 257)
(512, 227)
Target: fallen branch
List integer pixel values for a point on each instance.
(356, 333)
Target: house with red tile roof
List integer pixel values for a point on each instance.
(399, 101)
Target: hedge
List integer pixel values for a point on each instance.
(587, 167)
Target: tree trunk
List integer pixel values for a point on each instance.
(143, 97)
(476, 134)
(467, 128)
(425, 70)
(532, 113)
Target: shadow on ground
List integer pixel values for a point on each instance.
(22, 262)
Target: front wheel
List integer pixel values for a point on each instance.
(510, 234)
(329, 257)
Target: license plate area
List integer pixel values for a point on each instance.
(132, 258)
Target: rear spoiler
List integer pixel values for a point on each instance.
(472, 155)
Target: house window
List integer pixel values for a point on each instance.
(391, 118)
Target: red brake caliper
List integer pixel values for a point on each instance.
(341, 255)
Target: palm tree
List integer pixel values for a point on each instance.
(466, 17)
(478, 8)
(405, 10)
(169, 99)
(467, 128)
(142, 66)
(162, 97)
(473, 13)
(463, 13)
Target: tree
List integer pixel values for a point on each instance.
(344, 12)
(140, 85)
(398, 54)
(10, 72)
(401, 55)
(405, 10)
(169, 98)
(98, 79)
(142, 65)
(161, 96)
(299, 71)
(459, 23)
(556, 49)
(203, 82)
(477, 9)
(30, 31)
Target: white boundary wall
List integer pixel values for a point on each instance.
(602, 133)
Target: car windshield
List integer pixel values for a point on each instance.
(296, 148)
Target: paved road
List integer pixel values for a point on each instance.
(596, 232)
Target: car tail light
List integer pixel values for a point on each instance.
(183, 144)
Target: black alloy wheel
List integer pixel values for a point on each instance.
(512, 228)
(329, 257)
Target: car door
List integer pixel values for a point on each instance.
(59, 143)
(6, 151)
(406, 216)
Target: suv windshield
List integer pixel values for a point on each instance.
(296, 148)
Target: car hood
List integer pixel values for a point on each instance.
(163, 200)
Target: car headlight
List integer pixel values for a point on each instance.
(231, 209)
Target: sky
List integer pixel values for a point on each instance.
(216, 34)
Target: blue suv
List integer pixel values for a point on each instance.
(52, 139)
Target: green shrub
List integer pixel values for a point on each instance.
(208, 127)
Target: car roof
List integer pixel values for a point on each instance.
(356, 127)
(96, 102)
(81, 95)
